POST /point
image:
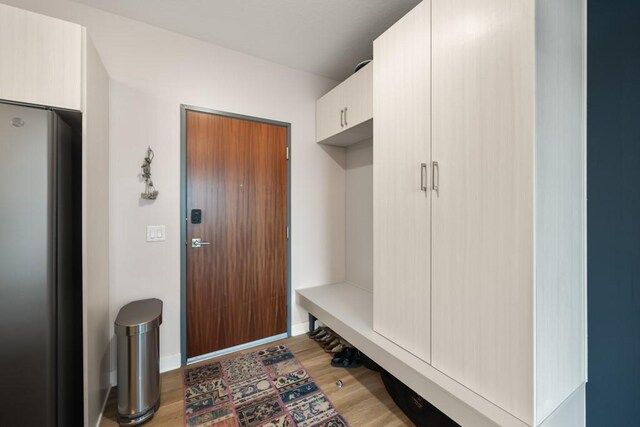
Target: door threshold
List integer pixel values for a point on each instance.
(240, 347)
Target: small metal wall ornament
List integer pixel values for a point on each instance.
(150, 192)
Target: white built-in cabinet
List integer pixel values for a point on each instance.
(479, 196)
(40, 59)
(344, 115)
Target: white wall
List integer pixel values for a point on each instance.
(152, 72)
(359, 214)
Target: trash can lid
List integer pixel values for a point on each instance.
(139, 317)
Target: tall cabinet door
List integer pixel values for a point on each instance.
(482, 213)
(401, 200)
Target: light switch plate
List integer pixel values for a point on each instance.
(156, 233)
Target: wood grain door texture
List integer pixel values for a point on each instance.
(401, 198)
(330, 113)
(482, 215)
(236, 284)
(358, 97)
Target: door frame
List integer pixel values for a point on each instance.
(184, 108)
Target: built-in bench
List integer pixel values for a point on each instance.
(348, 310)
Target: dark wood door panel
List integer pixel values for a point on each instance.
(236, 286)
(227, 331)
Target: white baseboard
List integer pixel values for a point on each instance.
(171, 362)
(114, 378)
(167, 363)
(299, 329)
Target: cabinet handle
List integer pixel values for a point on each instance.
(435, 179)
(341, 118)
(345, 117)
(423, 177)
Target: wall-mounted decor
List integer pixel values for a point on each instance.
(149, 192)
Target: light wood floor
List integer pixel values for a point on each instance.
(363, 400)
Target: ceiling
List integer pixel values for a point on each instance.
(324, 37)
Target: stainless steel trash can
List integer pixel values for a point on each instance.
(137, 329)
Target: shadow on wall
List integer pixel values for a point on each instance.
(336, 153)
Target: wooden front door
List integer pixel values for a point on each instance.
(236, 280)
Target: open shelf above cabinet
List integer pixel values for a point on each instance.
(351, 136)
(344, 116)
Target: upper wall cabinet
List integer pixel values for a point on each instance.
(40, 59)
(344, 115)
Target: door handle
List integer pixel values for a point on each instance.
(197, 243)
(423, 177)
(345, 117)
(341, 118)
(435, 179)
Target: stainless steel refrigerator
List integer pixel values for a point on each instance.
(40, 268)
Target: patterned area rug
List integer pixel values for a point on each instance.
(267, 388)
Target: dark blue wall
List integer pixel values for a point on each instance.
(613, 141)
